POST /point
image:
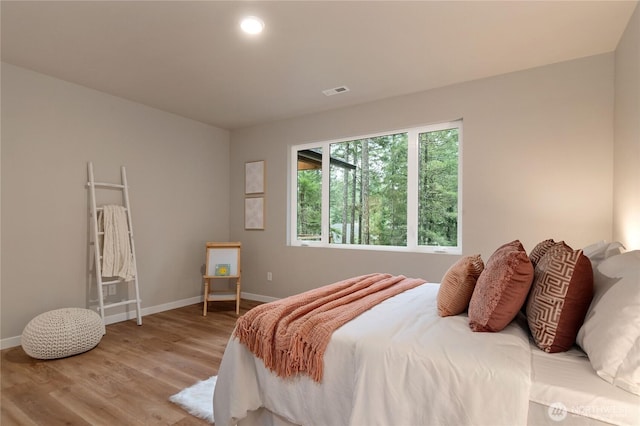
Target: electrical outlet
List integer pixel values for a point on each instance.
(112, 289)
(269, 276)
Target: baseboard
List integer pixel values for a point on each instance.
(258, 297)
(131, 314)
(11, 342)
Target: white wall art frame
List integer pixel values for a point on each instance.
(254, 177)
(254, 213)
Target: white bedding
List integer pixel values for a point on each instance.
(397, 364)
(567, 378)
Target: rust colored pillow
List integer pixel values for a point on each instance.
(457, 285)
(501, 289)
(539, 250)
(561, 294)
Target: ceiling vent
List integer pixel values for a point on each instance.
(335, 90)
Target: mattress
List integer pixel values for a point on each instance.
(564, 387)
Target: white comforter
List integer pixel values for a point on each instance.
(397, 364)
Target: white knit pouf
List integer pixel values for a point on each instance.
(62, 332)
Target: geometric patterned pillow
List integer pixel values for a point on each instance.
(540, 250)
(457, 285)
(560, 297)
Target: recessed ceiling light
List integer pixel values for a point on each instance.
(252, 25)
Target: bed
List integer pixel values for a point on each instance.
(401, 363)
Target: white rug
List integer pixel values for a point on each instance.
(197, 400)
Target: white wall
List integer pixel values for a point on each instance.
(537, 163)
(178, 172)
(626, 174)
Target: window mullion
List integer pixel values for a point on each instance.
(293, 196)
(326, 174)
(412, 189)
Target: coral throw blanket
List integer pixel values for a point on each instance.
(291, 335)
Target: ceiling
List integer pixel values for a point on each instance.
(191, 59)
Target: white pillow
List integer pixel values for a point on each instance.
(602, 250)
(610, 334)
(628, 375)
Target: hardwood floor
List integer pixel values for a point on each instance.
(127, 379)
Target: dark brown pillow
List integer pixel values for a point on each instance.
(561, 294)
(539, 250)
(457, 285)
(501, 289)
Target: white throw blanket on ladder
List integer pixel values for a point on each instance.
(117, 257)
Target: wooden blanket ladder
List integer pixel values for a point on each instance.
(110, 283)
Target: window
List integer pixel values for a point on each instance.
(396, 190)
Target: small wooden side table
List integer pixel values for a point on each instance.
(223, 262)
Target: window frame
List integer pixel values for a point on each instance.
(412, 192)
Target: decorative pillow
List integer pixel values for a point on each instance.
(457, 285)
(501, 289)
(610, 334)
(539, 250)
(561, 293)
